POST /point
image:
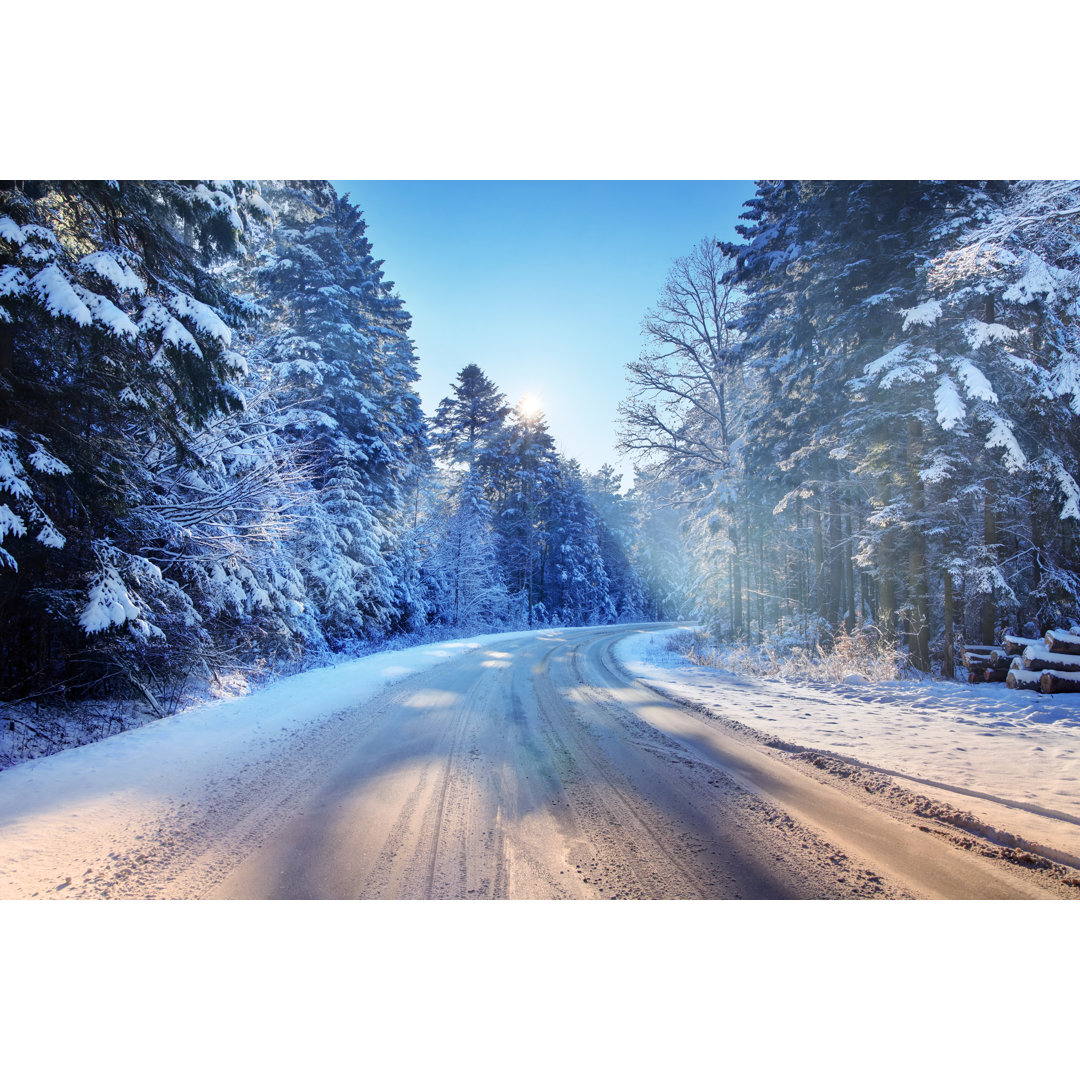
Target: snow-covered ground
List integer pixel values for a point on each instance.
(1010, 757)
(76, 814)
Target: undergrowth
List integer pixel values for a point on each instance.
(852, 657)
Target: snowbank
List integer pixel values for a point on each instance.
(1008, 756)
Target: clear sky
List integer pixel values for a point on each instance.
(543, 284)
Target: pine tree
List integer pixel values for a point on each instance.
(341, 358)
(117, 344)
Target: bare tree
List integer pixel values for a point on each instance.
(679, 413)
(681, 417)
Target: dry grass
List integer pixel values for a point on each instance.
(864, 654)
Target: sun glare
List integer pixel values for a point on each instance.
(530, 405)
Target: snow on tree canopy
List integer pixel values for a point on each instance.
(206, 319)
(11, 232)
(10, 522)
(58, 296)
(1066, 382)
(980, 333)
(12, 281)
(925, 314)
(975, 382)
(107, 314)
(902, 364)
(50, 537)
(44, 462)
(950, 409)
(1001, 435)
(156, 316)
(1038, 280)
(114, 269)
(939, 469)
(11, 471)
(1069, 489)
(109, 603)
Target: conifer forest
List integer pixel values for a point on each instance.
(858, 420)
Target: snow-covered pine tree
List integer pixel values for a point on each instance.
(985, 351)
(617, 528)
(467, 421)
(338, 349)
(579, 590)
(461, 566)
(117, 345)
(521, 500)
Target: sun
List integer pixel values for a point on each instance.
(530, 406)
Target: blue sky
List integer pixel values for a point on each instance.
(542, 283)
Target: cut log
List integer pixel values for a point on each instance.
(1019, 679)
(1059, 682)
(999, 658)
(993, 674)
(976, 658)
(976, 676)
(1013, 644)
(1036, 659)
(1061, 641)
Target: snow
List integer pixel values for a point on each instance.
(44, 462)
(206, 319)
(1001, 435)
(12, 281)
(1038, 279)
(11, 232)
(1041, 653)
(899, 364)
(10, 522)
(109, 604)
(1069, 489)
(950, 409)
(107, 314)
(925, 314)
(980, 333)
(113, 269)
(58, 296)
(176, 333)
(79, 809)
(1009, 757)
(975, 382)
(173, 332)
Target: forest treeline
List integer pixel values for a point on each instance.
(861, 419)
(865, 414)
(213, 457)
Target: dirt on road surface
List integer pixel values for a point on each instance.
(539, 769)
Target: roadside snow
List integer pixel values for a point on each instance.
(78, 813)
(1010, 757)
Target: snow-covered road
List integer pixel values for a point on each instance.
(514, 765)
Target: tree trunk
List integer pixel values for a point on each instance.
(819, 567)
(736, 585)
(989, 603)
(948, 660)
(849, 579)
(836, 563)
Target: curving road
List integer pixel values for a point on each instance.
(538, 769)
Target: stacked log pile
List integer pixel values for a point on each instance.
(1050, 665)
(1060, 674)
(992, 663)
